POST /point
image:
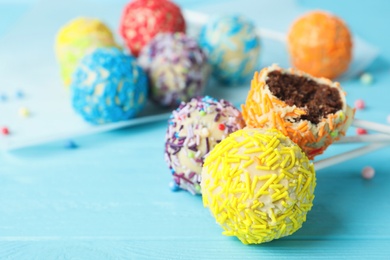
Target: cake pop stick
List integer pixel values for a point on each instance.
(371, 138)
(371, 126)
(321, 164)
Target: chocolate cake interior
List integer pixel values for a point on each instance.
(318, 99)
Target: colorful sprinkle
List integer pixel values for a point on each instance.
(221, 127)
(262, 109)
(70, 144)
(20, 94)
(5, 130)
(368, 173)
(197, 188)
(202, 113)
(366, 78)
(24, 112)
(361, 131)
(3, 97)
(174, 187)
(359, 104)
(205, 132)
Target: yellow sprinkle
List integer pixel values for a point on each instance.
(266, 184)
(246, 165)
(253, 150)
(265, 168)
(24, 112)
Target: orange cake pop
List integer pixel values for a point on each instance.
(311, 111)
(320, 43)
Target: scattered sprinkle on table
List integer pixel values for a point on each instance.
(173, 186)
(361, 131)
(24, 112)
(5, 130)
(3, 97)
(368, 173)
(70, 144)
(19, 94)
(366, 78)
(359, 104)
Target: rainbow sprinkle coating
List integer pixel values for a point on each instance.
(258, 185)
(193, 130)
(264, 110)
(78, 38)
(232, 47)
(108, 86)
(177, 68)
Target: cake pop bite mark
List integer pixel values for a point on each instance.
(258, 185)
(320, 43)
(3, 97)
(368, 173)
(193, 131)
(311, 111)
(142, 20)
(70, 144)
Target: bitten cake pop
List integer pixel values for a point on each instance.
(312, 111)
(177, 68)
(144, 19)
(258, 185)
(78, 38)
(320, 43)
(232, 47)
(108, 86)
(194, 129)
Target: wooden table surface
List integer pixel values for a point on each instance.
(110, 199)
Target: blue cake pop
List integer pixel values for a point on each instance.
(232, 47)
(108, 86)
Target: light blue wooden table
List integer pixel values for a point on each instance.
(109, 199)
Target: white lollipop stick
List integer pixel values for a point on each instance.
(373, 138)
(371, 126)
(321, 164)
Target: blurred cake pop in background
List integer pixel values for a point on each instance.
(193, 130)
(176, 66)
(143, 19)
(320, 43)
(108, 86)
(78, 38)
(232, 47)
